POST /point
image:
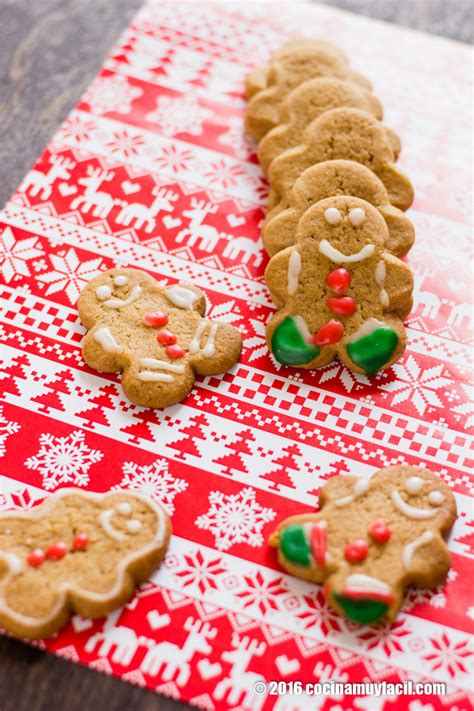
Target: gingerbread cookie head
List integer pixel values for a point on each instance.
(287, 72)
(338, 292)
(157, 336)
(76, 551)
(304, 104)
(347, 134)
(371, 539)
(337, 177)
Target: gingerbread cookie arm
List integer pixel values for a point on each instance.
(395, 280)
(256, 81)
(214, 348)
(399, 187)
(401, 230)
(281, 275)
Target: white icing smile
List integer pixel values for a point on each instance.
(133, 525)
(339, 258)
(410, 511)
(104, 293)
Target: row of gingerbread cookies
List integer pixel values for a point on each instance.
(84, 552)
(336, 278)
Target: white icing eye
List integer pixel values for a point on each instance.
(103, 292)
(120, 280)
(124, 508)
(332, 216)
(435, 498)
(413, 485)
(134, 525)
(356, 216)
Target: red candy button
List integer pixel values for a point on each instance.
(57, 550)
(342, 305)
(80, 542)
(379, 531)
(356, 551)
(166, 338)
(175, 351)
(330, 333)
(36, 557)
(156, 319)
(339, 280)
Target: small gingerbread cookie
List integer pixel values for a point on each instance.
(349, 134)
(157, 336)
(286, 73)
(304, 104)
(257, 79)
(76, 552)
(330, 178)
(371, 539)
(338, 292)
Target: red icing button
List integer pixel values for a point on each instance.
(175, 351)
(379, 531)
(356, 551)
(342, 305)
(80, 542)
(156, 319)
(166, 338)
(330, 333)
(36, 557)
(57, 550)
(339, 280)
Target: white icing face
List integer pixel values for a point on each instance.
(120, 280)
(435, 498)
(332, 216)
(356, 216)
(413, 486)
(104, 293)
(124, 509)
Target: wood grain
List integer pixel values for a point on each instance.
(49, 52)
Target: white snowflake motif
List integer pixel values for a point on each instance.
(174, 159)
(235, 518)
(14, 254)
(413, 383)
(125, 143)
(153, 480)
(111, 94)
(77, 130)
(180, 114)
(200, 572)
(449, 655)
(7, 428)
(69, 274)
(261, 593)
(224, 174)
(64, 460)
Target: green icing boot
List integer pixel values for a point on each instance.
(363, 611)
(289, 346)
(294, 546)
(373, 351)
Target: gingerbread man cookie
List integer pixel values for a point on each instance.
(349, 134)
(286, 73)
(338, 292)
(76, 552)
(157, 336)
(337, 177)
(304, 104)
(371, 539)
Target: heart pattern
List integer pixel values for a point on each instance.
(129, 188)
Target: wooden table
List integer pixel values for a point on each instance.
(43, 70)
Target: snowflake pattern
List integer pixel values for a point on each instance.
(69, 274)
(261, 593)
(111, 94)
(153, 480)
(64, 460)
(419, 386)
(235, 518)
(223, 174)
(236, 138)
(180, 114)
(7, 428)
(174, 159)
(14, 254)
(448, 655)
(388, 638)
(199, 572)
(124, 144)
(76, 130)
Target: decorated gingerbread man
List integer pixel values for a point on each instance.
(78, 551)
(157, 336)
(371, 539)
(338, 292)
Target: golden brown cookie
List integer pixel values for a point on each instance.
(336, 177)
(348, 134)
(76, 552)
(286, 73)
(157, 336)
(338, 292)
(371, 539)
(304, 104)
(257, 78)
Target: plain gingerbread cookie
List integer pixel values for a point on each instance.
(371, 539)
(158, 337)
(338, 292)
